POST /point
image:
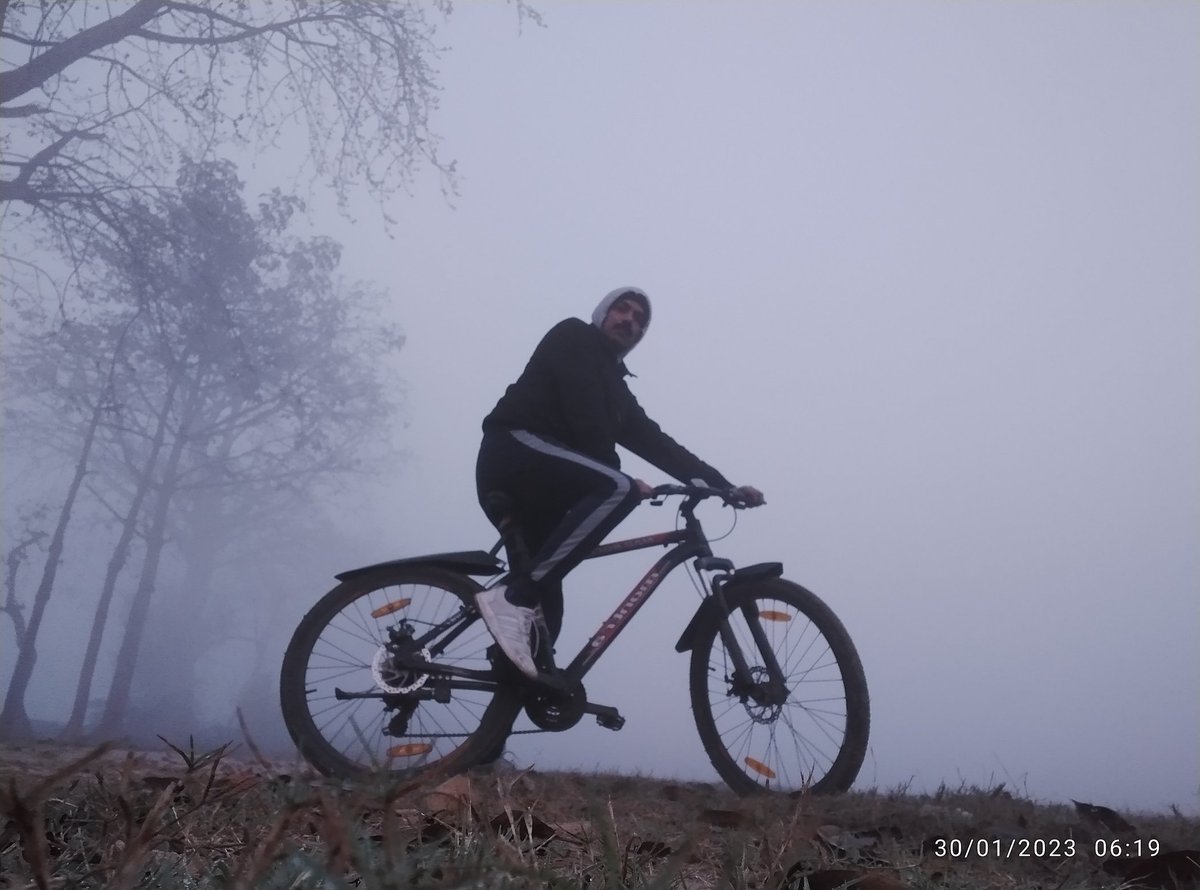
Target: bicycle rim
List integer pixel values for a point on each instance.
(814, 740)
(340, 648)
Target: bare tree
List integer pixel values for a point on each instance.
(14, 721)
(109, 100)
(252, 374)
(144, 472)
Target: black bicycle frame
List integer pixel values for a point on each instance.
(692, 543)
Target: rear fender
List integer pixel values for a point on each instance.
(468, 562)
(710, 606)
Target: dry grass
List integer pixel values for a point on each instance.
(204, 820)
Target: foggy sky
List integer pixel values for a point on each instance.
(927, 274)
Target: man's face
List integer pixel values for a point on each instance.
(624, 323)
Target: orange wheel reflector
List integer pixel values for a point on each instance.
(772, 615)
(389, 608)
(759, 767)
(416, 749)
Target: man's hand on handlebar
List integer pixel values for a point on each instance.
(750, 495)
(742, 496)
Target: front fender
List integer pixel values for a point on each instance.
(468, 562)
(688, 638)
(710, 605)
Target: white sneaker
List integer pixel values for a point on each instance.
(510, 625)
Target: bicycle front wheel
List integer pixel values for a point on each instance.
(811, 733)
(353, 709)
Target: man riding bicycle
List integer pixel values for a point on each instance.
(549, 448)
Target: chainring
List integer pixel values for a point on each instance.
(556, 711)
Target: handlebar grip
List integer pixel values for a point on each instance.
(728, 496)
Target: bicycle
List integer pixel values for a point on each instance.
(393, 670)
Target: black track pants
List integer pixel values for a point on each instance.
(566, 502)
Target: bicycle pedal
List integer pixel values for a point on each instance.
(611, 721)
(606, 716)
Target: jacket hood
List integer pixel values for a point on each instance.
(611, 297)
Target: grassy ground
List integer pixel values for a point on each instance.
(201, 819)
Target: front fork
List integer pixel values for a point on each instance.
(774, 692)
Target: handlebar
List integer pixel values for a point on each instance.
(697, 493)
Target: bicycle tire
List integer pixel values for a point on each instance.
(810, 743)
(334, 647)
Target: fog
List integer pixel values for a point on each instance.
(926, 274)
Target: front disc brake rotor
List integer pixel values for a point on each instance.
(757, 707)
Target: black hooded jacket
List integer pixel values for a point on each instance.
(573, 390)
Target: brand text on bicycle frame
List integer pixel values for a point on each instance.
(628, 606)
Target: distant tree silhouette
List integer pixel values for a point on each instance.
(14, 719)
(238, 372)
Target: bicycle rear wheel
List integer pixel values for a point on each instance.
(814, 740)
(352, 711)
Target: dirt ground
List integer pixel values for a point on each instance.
(28, 763)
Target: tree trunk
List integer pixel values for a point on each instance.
(14, 720)
(203, 531)
(117, 705)
(15, 557)
(83, 690)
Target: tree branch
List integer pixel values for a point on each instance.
(244, 32)
(27, 41)
(19, 189)
(58, 58)
(23, 110)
